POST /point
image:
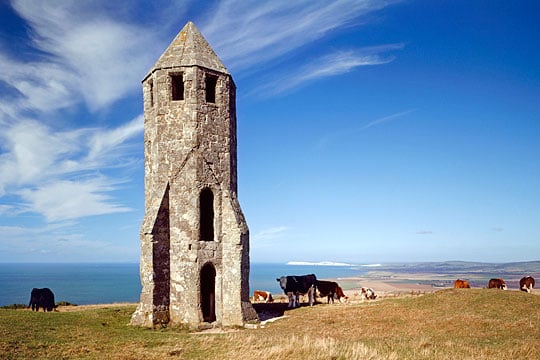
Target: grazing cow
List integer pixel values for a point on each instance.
(496, 284)
(330, 289)
(526, 284)
(461, 284)
(339, 294)
(293, 286)
(368, 294)
(42, 298)
(264, 296)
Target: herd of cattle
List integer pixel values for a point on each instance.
(295, 286)
(525, 284)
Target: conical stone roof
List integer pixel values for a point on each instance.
(189, 48)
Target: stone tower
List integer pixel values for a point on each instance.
(194, 238)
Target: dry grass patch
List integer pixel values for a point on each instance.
(301, 347)
(448, 324)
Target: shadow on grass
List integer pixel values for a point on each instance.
(267, 311)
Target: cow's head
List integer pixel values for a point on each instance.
(282, 282)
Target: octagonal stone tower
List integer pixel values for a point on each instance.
(194, 238)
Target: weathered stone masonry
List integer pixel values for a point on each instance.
(194, 238)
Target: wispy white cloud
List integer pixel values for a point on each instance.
(82, 55)
(249, 33)
(37, 165)
(42, 86)
(269, 31)
(337, 63)
(21, 239)
(269, 234)
(4, 209)
(33, 152)
(87, 55)
(57, 242)
(64, 200)
(386, 119)
(102, 141)
(332, 137)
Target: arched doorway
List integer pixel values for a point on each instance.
(208, 292)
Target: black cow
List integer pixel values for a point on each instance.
(42, 298)
(293, 286)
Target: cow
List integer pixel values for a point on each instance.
(461, 284)
(339, 295)
(293, 286)
(42, 298)
(264, 296)
(368, 294)
(496, 284)
(526, 284)
(331, 289)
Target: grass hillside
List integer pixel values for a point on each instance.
(449, 324)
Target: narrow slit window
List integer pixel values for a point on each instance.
(151, 85)
(177, 84)
(206, 204)
(211, 82)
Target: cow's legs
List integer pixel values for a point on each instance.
(311, 291)
(291, 297)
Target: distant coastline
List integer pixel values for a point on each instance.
(327, 263)
(102, 283)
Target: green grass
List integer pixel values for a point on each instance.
(449, 324)
(14, 306)
(25, 306)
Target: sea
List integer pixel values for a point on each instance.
(104, 283)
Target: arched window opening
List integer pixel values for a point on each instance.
(208, 293)
(206, 206)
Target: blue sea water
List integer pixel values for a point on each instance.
(75, 283)
(105, 283)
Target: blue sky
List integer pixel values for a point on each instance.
(368, 131)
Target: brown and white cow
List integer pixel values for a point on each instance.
(461, 284)
(496, 284)
(332, 290)
(368, 294)
(526, 284)
(262, 296)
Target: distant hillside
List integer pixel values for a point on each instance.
(461, 267)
